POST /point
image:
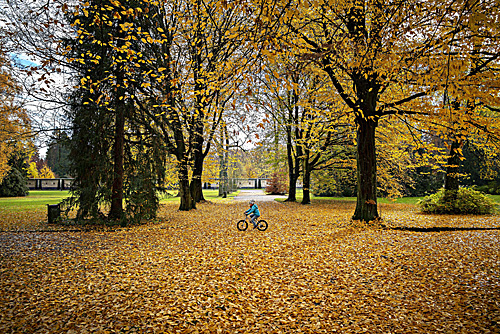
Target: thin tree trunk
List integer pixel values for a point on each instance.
(223, 174)
(366, 205)
(306, 179)
(293, 164)
(196, 185)
(451, 179)
(292, 170)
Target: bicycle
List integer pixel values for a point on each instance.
(242, 225)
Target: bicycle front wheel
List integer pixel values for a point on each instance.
(242, 225)
(262, 225)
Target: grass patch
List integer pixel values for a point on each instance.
(36, 200)
(403, 200)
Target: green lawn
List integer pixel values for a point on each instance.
(35, 200)
(38, 199)
(403, 200)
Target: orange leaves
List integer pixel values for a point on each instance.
(310, 272)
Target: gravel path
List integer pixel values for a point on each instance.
(256, 194)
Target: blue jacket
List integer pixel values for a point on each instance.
(254, 209)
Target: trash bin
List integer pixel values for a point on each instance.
(54, 212)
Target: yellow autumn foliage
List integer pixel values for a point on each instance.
(14, 121)
(46, 173)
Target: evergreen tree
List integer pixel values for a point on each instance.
(15, 183)
(112, 159)
(57, 157)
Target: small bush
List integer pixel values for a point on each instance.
(492, 187)
(14, 184)
(463, 201)
(277, 185)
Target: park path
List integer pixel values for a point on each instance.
(256, 194)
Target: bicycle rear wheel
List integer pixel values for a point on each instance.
(242, 225)
(262, 225)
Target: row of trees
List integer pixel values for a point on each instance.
(155, 79)
(337, 81)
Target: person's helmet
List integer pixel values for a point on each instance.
(251, 201)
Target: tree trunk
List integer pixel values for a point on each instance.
(366, 205)
(293, 174)
(196, 186)
(306, 179)
(223, 158)
(451, 179)
(292, 188)
(292, 130)
(187, 202)
(116, 211)
(222, 177)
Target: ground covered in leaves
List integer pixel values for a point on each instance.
(312, 271)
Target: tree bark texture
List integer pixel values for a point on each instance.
(293, 171)
(451, 180)
(306, 179)
(366, 205)
(116, 211)
(292, 188)
(196, 185)
(187, 202)
(293, 164)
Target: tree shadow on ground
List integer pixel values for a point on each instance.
(441, 229)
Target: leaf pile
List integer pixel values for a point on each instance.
(194, 272)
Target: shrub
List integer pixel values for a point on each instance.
(492, 187)
(463, 201)
(277, 185)
(14, 184)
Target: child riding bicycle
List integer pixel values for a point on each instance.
(253, 212)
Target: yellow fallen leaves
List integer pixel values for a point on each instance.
(194, 272)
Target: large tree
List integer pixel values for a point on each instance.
(122, 163)
(312, 129)
(192, 57)
(390, 58)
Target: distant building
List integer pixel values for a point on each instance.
(50, 184)
(250, 183)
